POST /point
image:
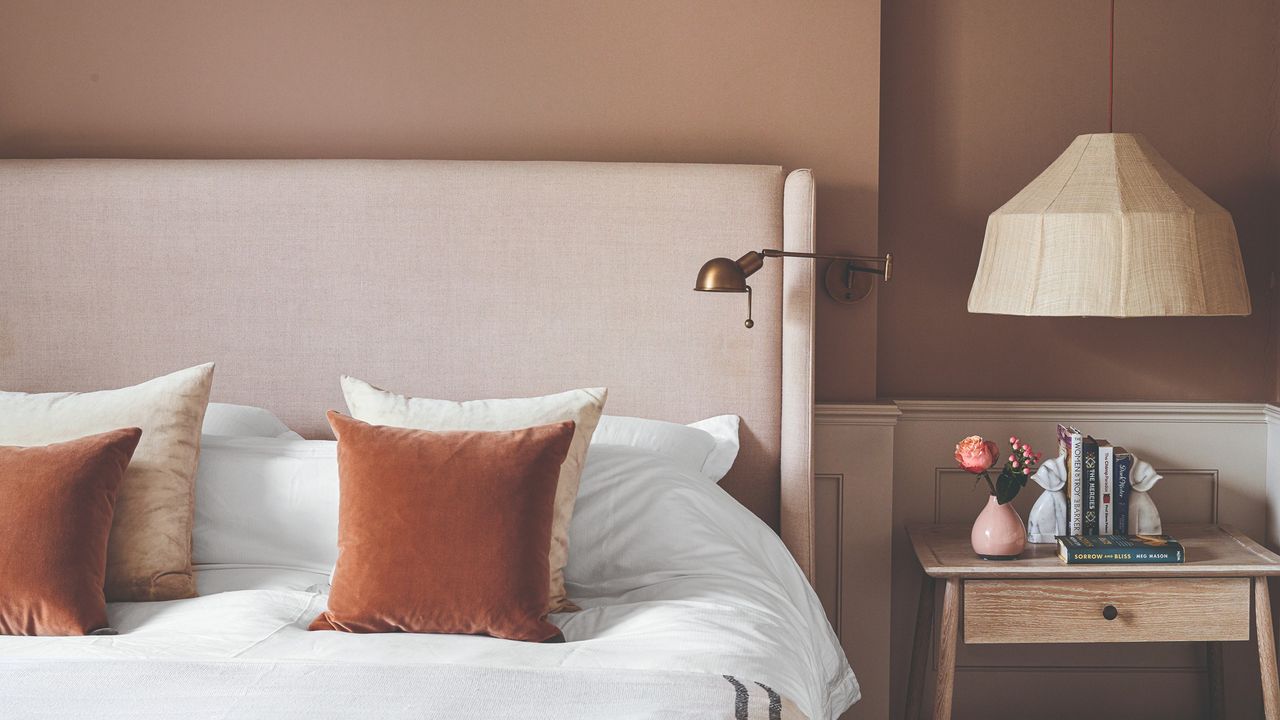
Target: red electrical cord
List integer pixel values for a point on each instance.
(1111, 70)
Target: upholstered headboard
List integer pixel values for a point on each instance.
(443, 279)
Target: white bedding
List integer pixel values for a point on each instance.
(679, 587)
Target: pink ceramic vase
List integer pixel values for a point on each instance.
(998, 533)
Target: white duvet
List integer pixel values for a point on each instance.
(679, 585)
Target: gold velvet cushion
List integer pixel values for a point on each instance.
(375, 405)
(56, 503)
(149, 553)
(444, 532)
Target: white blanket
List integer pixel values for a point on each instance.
(136, 690)
(680, 587)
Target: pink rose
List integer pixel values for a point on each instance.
(976, 455)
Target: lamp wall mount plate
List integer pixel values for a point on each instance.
(846, 285)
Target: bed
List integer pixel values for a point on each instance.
(457, 280)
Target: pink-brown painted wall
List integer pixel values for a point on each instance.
(1275, 193)
(980, 96)
(793, 84)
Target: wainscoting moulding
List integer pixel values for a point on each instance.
(1085, 411)
(890, 413)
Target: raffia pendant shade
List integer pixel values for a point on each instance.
(1110, 229)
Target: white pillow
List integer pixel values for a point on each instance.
(708, 446)
(267, 502)
(724, 428)
(244, 421)
(273, 502)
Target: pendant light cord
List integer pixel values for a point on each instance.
(1111, 71)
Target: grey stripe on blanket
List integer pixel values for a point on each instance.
(765, 704)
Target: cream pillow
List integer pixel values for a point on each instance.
(149, 549)
(379, 407)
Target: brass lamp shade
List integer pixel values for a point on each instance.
(724, 275)
(1110, 229)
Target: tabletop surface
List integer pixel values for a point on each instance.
(1211, 551)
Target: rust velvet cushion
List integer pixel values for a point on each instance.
(374, 405)
(445, 531)
(56, 505)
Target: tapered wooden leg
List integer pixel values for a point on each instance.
(1266, 649)
(947, 638)
(920, 648)
(1216, 709)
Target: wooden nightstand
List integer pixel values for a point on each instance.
(1039, 599)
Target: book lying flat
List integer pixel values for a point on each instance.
(1119, 549)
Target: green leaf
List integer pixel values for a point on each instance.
(1008, 485)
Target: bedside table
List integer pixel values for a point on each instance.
(1039, 599)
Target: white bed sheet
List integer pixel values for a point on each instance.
(673, 575)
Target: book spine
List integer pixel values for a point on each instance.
(1076, 556)
(1090, 462)
(1077, 488)
(1106, 524)
(1123, 466)
(1069, 444)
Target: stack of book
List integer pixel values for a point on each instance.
(1097, 489)
(1097, 484)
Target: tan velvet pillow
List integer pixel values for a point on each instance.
(149, 554)
(375, 405)
(444, 532)
(56, 503)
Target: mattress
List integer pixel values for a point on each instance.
(692, 607)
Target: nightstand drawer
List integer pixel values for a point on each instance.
(1106, 610)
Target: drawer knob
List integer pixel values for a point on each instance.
(1109, 612)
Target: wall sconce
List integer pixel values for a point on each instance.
(846, 282)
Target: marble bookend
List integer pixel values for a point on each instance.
(1048, 517)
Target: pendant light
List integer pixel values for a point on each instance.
(1110, 229)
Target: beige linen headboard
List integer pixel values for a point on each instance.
(442, 279)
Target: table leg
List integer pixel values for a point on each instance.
(1216, 709)
(1266, 648)
(920, 648)
(947, 637)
